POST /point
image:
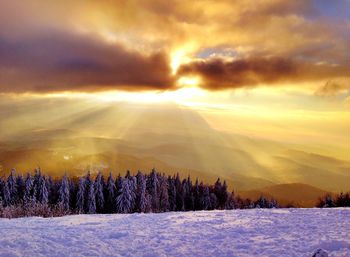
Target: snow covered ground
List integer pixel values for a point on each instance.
(277, 232)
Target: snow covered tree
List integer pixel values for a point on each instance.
(64, 193)
(20, 187)
(110, 194)
(163, 194)
(80, 198)
(12, 186)
(36, 184)
(6, 195)
(205, 199)
(180, 206)
(188, 194)
(126, 197)
(90, 199)
(196, 195)
(213, 201)
(142, 197)
(172, 194)
(42, 192)
(153, 189)
(29, 197)
(100, 200)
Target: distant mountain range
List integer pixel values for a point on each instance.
(169, 138)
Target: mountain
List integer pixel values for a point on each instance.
(77, 136)
(296, 193)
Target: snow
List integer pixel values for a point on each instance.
(258, 232)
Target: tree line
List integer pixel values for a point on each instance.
(39, 194)
(339, 200)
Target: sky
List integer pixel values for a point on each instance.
(270, 68)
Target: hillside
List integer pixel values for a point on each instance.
(302, 195)
(169, 138)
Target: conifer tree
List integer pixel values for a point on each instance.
(100, 201)
(205, 199)
(163, 194)
(125, 197)
(172, 194)
(110, 193)
(80, 198)
(142, 198)
(90, 199)
(29, 197)
(153, 189)
(6, 195)
(42, 192)
(20, 187)
(64, 193)
(179, 194)
(12, 187)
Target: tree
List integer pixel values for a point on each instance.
(179, 194)
(110, 194)
(90, 199)
(80, 198)
(20, 187)
(196, 195)
(100, 200)
(142, 197)
(64, 193)
(12, 187)
(42, 192)
(172, 194)
(29, 197)
(153, 189)
(6, 194)
(126, 196)
(163, 194)
(205, 198)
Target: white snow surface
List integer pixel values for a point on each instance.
(258, 232)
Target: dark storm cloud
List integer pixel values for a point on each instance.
(218, 73)
(63, 61)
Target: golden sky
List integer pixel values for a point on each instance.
(271, 68)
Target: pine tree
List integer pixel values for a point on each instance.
(36, 184)
(64, 193)
(6, 194)
(205, 199)
(90, 199)
(142, 197)
(29, 197)
(196, 195)
(20, 187)
(42, 192)
(179, 194)
(110, 194)
(12, 186)
(126, 197)
(100, 200)
(163, 195)
(80, 198)
(153, 189)
(172, 194)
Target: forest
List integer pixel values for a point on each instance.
(41, 195)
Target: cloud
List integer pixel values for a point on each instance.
(219, 73)
(331, 89)
(63, 61)
(67, 45)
